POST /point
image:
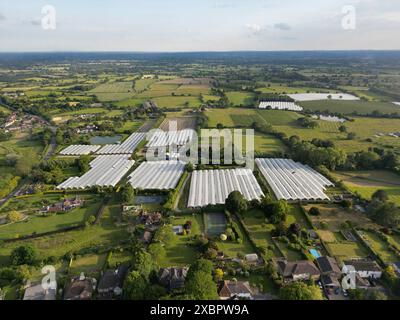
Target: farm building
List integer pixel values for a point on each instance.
(168, 138)
(280, 105)
(79, 150)
(105, 171)
(214, 186)
(126, 147)
(291, 180)
(157, 175)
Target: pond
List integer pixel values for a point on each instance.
(149, 199)
(105, 139)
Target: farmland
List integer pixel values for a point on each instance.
(175, 212)
(365, 183)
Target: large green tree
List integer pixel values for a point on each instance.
(23, 255)
(300, 291)
(236, 203)
(199, 284)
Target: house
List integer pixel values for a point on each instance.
(80, 288)
(364, 268)
(37, 292)
(328, 265)
(151, 218)
(330, 281)
(235, 290)
(173, 277)
(65, 205)
(73, 103)
(110, 284)
(362, 283)
(297, 270)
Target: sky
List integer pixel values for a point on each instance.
(199, 25)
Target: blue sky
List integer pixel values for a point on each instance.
(198, 25)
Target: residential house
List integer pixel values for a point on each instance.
(330, 281)
(80, 288)
(297, 270)
(37, 292)
(66, 205)
(328, 265)
(111, 283)
(233, 290)
(173, 277)
(364, 268)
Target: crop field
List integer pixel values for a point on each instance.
(232, 117)
(348, 107)
(113, 91)
(143, 84)
(366, 183)
(180, 122)
(284, 89)
(177, 102)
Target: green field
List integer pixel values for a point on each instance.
(366, 183)
(380, 247)
(281, 88)
(348, 107)
(238, 98)
(104, 234)
(38, 224)
(177, 102)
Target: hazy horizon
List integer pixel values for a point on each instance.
(200, 26)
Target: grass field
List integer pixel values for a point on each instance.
(284, 89)
(348, 107)
(91, 265)
(380, 247)
(238, 98)
(37, 224)
(104, 234)
(177, 102)
(366, 183)
(334, 216)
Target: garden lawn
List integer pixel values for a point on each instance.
(178, 251)
(259, 230)
(381, 247)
